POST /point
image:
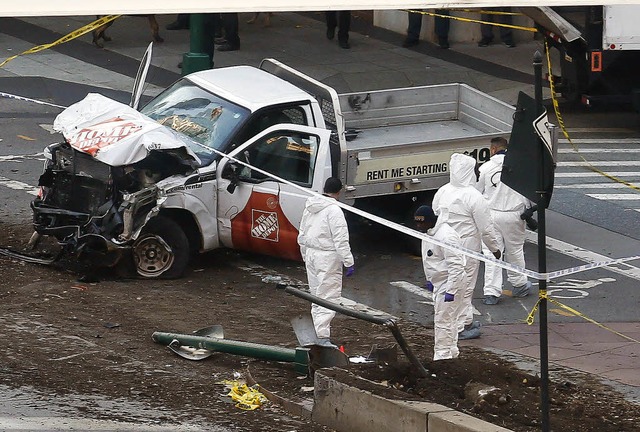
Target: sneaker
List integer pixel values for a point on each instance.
(522, 290)
(408, 43)
(490, 300)
(484, 42)
(465, 334)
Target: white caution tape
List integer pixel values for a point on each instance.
(22, 98)
(422, 236)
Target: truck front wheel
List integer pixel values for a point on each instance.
(162, 250)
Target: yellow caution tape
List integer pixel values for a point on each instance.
(77, 33)
(543, 295)
(556, 108)
(246, 398)
(457, 18)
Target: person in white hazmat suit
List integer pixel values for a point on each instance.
(446, 278)
(506, 206)
(463, 207)
(324, 245)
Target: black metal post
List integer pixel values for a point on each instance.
(542, 257)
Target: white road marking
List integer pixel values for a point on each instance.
(600, 163)
(20, 158)
(599, 150)
(585, 255)
(595, 174)
(592, 186)
(48, 128)
(616, 197)
(600, 141)
(17, 185)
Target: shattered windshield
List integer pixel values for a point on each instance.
(204, 117)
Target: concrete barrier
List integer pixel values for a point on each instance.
(347, 408)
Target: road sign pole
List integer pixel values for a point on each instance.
(542, 257)
(196, 59)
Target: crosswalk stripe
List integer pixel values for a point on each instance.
(600, 141)
(591, 186)
(615, 197)
(600, 163)
(18, 185)
(600, 150)
(595, 174)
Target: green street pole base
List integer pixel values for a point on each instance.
(195, 62)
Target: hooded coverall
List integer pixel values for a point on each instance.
(324, 245)
(506, 207)
(445, 269)
(463, 207)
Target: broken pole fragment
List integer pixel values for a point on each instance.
(299, 356)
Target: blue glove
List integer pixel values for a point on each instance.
(448, 297)
(428, 286)
(350, 271)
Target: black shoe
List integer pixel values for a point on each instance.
(228, 47)
(220, 40)
(510, 44)
(180, 65)
(344, 44)
(408, 43)
(176, 25)
(443, 44)
(484, 42)
(331, 32)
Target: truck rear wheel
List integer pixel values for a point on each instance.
(162, 250)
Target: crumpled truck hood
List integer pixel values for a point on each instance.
(118, 135)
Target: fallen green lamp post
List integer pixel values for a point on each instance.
(299, 356)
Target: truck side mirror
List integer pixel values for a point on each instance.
(230, 172)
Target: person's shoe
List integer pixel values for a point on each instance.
(444, 44)
(331, 32)
(473, 325)
(490, 300)
(408, 43)
(465, 334)
(228, 47)
(177, 25)
(522, 290)
(326, 342)
(344, 44)
(510, 44)
(220, 40)
(180, 65)
(484, 42)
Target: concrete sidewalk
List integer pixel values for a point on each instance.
(376, 60)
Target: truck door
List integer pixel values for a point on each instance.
(261, 214)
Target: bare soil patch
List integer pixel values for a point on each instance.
(67, 335)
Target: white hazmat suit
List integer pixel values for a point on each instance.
(324, 245)
(506, 207)
(445, 269)
(463, 207)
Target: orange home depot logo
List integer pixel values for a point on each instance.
(262, 227)
(91, 139)
(265, 225)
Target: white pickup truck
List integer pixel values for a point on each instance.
(149, 188)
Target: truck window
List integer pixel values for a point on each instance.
(265, 119)
(291, 156)
(205, 118)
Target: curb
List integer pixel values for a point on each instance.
(344, 408)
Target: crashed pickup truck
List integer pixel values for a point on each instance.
(200, 166)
